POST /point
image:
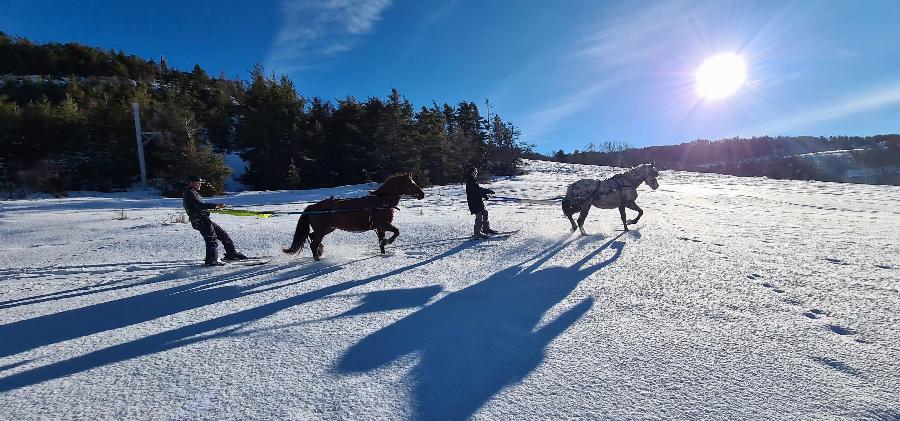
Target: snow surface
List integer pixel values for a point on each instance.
(732, 298)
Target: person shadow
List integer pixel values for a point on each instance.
(474, 342)
(51, 329)
(27, 334)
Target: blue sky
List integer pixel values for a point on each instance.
(565, 72)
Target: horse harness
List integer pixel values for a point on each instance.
(371, 209)
(619, 185)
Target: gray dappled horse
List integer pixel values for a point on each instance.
(619, 191)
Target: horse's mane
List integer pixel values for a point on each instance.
(393, 176)
(388, 180)
(637, 168)
(640, 170)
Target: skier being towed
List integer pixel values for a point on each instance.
(198, 214)
(475, 196)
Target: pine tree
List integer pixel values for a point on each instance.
(272, 114)
(432, 140)
(351, 153)
(181, 154)
(68, 128)
(292, 177)
(559, 156)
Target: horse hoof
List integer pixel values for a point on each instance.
(318, 251)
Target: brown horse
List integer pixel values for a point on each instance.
(373, 212)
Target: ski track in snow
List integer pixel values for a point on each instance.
(732, 298)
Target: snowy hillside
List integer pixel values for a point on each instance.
(732, 298)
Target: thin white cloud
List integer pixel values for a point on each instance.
(542, 121)
(314, 30)
(762, 84)
(872, 99)
(626, 38)
(615, 48)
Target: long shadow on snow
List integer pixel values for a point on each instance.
(474, 342)
(44, 330)
(111, 285)
(392, 299)
(223, 326)
(372, 302)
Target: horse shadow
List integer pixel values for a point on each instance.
(371, 302)
(46, 330)
(392, 299)
(474, 342)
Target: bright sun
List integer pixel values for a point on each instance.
(720, 76)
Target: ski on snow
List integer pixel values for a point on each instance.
(250, 261)
(500, 236)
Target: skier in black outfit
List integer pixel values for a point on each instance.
(475, 195)
(198, 213)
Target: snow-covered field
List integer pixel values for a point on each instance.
(732, 298)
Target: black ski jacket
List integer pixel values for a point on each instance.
(475, 195)
(194, 206)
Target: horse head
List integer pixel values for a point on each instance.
(652, 173)
(401, 184)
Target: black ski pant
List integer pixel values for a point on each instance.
(212, 233)
(481, 222)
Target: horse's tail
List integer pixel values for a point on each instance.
(301, 234)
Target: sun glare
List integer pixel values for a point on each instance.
(720, 76)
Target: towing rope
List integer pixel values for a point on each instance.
(267, 214)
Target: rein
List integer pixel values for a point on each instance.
(370, 209)
(275, 213)
(339, 210)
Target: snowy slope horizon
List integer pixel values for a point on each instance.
(733, 297)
